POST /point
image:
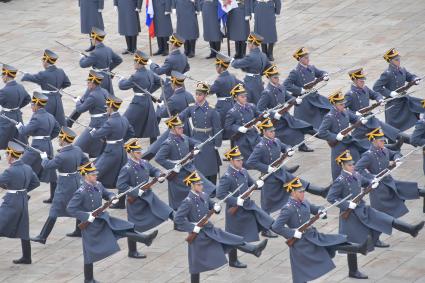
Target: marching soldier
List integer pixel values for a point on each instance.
(249, 219)
(241, 113)
(207, 251)
(129, 22)
(114, 131)
(101, 228)
(93, 101)
(265, 12)
(91, 16)
(54, 76)
(17, 180)
(187, 23)
(211, 24)
(418, 136)
(102, 59)
(238, 26)
(333, 123)
(162, 24)
(205, 122)
(364, 221)
(140, 112)
(390, 196)
(406, 109)
(253, 65)
(268, 150)
(42, 127)
(176, 61)
(144, 208)
(289, 130)
(172, 150)
(13, 97)
(311, 255)
(313, 107)
(67, 161)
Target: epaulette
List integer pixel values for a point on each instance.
(80, 189)
(191, 104)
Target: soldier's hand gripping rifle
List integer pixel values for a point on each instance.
(154, 99)
(408, 85)
(72, 49)
(63, 92)
(291, 241)
(314, 82)
(381, 175)
(201, 223)
(30, 147)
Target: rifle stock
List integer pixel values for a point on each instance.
(145, 187)
(291, 241)
(192, 236)
(96, 213)
(248, 125)
(313, 83)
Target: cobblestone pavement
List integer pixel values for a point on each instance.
(341, 35)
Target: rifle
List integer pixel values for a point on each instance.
(204, 220)
(381, 175)
(165, 99)
(62, 91)
(313, 83)
(9, 119)
(191, 154)
(30, 147)
(291, 241)
(72, 49)
(369, 108)
(191, 78)
(154, 99)
(408, 85)
(81, 124)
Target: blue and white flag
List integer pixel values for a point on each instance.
(224, 7)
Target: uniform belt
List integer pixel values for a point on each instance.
(114, 142)
(139, 93)
(15, 191)
(97, 115)
(174, 161)
(40, 137)
(101, 70)
(202, 130)
(66, 174)
(251, 74)
(265, 1)
(9, 109)
(48, 91)
(223, 98)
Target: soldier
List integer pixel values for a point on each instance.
(13, 97)
(268, 150)
(364, 221)
(390, 195)
(42, 127)
(102, 59)
(211, 24)
(101, 235)
(265, 23)
(129, 22)
(187, 23)
(145, 210)
(67, 161)
(176, 61)
(418, 136)
(222, 86)
(313, 107)
(333, 123)
(205, 122)
(249, 219)
(289, 130)
(172, 150)
(141, 113)
(207, 251)
(54, 76)
(93, 101)
(357, 98)
(17, 180)
(406, 109)
(91, 16)
(162, 24)
(238, 26)
(241, 113)
(115, 131)
(253, 65)
(311, 255)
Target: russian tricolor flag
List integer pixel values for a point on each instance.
(149, 18)
(224, 7)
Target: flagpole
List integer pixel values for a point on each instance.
(150, 44)
(228, 41)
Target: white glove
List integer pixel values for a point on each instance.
(240, 201)
(115, 200)
(116, 9)
(326, 77)
(91, 218)
(298, 100)
(303, 90)
(322, 214)
(247, 18)
(290, 152)
(173, 11)
(339, 137)
(277, 116)
(161, 179)
(217, 207)
(82, 55)
(137, 10)
(394, 94)
(231, 60)
(92, 131)
(197, 13)
(259, 183)
(418, 81)
(298, 234)
(76, 99)
(177, 168)
(216, 147)
(197, 229)
(375, 183)
(141, 192)
(397, 161)
(149, 63)
(19, 125)
(242, 129)
(363, 121)
(267, 115)
(43, 155)
(359, 114)
(167, 13)
(196, 151)
(270, 169)
(352, 205)
(100, 10)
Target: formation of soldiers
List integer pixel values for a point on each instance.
(256, 122)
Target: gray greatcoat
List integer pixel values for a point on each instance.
(148, 210)
(90, 15)
(207, 251)
(187, 18)
(210, 20)
(314, 106)
(237, 27)
(404, 112)
(128, 18)
(390, 195)
(418, 137)
(14, 219)
(162, 18)
(265, 19)
(311, 256)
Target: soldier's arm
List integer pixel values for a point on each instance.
(88, 61)
(254, 160)
(380, 84)
(223, 189)
(168, 5)
(123, 181)
(29, 128)
(185, 114)
(125, 84)
(394, 154)
(73, 207)
(66, 82)
(165, 68)
(36, 78)
(418, 135)
(250, 180)
(4, 179)
(215, 87)
(103, 131)
(277, 6)
(56, 130)
(116, 60)
(242, 63)
(335, 194)
(162, 156)
(264, 102)
(318, 73)
(106, 194)
(349, 101)
(230, 123)
(153, 171)
(353, 118)
(314, 209)
(193, 142)
(410, 76)
(362, 166)
(374, 95)
(180, 218)
(87, 104)
(156, 83)
(216, 125)
(289, 84)
(130, 131)
(279, 225)
(52, 163)
(26, 96)
(324, 130)
(34, 182)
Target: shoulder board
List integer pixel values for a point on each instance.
(80, 189)
(191, 104)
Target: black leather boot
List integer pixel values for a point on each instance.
(353, 270)
(237, 50)
(353, 247)
(212, 53)
(159, 40)
(128, 42)
(26, 253)
(318, 191)
(166, 47)
(381, 244)
(144, 238)
(233, 260)
(402, 226)
(253, 249)
(134, 44)
(270, 51)
(192, 45)
(264, 48)
(194, 278)
(77, 231)
(304, 148)
(243, 49)
(45, 231)
(52, 192)
(88, 273)
(291, 169)
(186, 46)
(269, 234)
(91, 47)
(132, 250)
